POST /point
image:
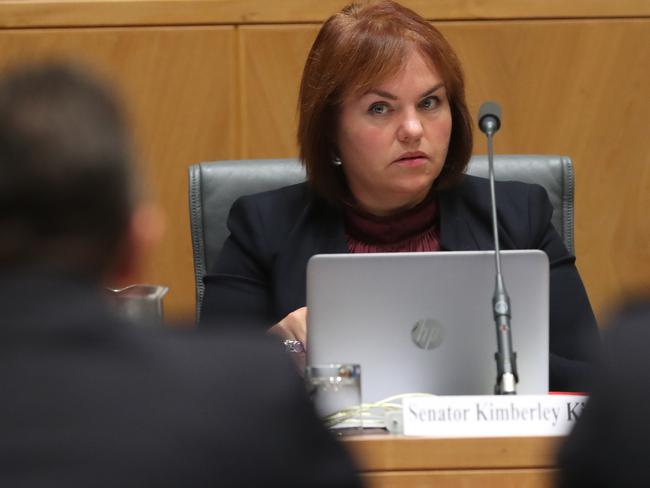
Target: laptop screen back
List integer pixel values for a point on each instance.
(422, 322)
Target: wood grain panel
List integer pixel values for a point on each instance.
(580, 89)
(400, 461)
(567, 87)
(570, 87)
(178, 85)
(271, 60)
(503, 478)
(389, 453)
(56, 13)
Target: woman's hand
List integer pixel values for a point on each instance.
(293, 327)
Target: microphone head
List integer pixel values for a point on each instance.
(489, 117)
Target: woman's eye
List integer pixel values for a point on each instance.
(378, 108)
(430, 103)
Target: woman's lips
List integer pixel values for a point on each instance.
(411, 162)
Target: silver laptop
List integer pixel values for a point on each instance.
(422, 322)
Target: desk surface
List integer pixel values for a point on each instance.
(399, 461)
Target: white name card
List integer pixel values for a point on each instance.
(491, 416)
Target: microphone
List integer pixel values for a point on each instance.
(489, 121)
(489, 118)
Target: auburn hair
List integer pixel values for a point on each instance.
(354, 51)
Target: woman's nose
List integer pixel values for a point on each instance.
(410, 129)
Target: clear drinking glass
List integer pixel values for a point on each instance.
(141, 304)
(336, 392)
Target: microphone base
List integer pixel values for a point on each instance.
(507, 385)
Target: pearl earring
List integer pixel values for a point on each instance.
(337, 161)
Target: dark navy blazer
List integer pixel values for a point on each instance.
(608, 447)
(89, 400)
(260, 275)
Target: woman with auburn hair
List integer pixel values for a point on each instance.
(385, 136)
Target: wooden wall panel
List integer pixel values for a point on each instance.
(53, 13)
(179, 87)
(271, 62)
(569, 87)
(577, 88)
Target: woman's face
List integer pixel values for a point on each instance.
(393, 139)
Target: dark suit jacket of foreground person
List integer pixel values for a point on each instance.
(90, 401)
(260, 274)
(609, 445)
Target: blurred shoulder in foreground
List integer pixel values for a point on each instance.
(88, 399)
(608, 446)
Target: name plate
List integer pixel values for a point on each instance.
(491, 416)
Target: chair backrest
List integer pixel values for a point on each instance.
(214, 186)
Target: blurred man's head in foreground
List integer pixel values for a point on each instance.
(67, 197)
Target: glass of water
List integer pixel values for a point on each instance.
(336, 392)
(140, 304)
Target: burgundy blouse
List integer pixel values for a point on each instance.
(414, 230)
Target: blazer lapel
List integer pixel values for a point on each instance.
(320, 230)
(456, 230)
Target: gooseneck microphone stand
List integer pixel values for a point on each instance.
(489, 121)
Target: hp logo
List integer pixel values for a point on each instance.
(427, 333)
